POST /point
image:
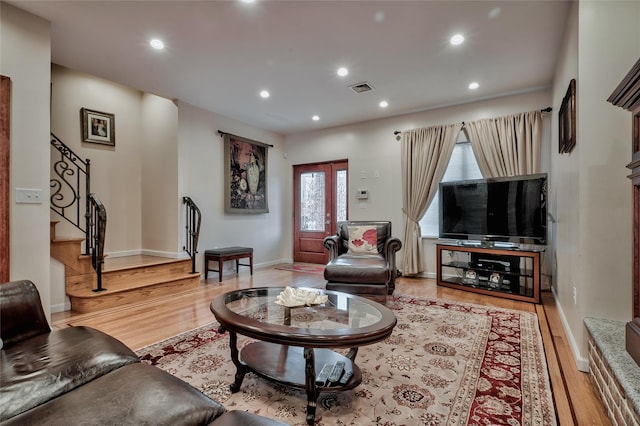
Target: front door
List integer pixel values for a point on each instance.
(320, 202)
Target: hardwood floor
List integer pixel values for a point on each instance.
(149, 321)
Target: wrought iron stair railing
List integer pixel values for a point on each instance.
(70, 185)
(97, 230)
(193, 219)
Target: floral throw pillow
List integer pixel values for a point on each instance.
(363, 239)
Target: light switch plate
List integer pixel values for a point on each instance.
(28, 196)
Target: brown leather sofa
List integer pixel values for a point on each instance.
(82, 376)
(353, 269)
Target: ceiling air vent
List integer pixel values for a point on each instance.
(361, 87)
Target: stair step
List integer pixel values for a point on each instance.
(85, 300)
(69, 252)
(130, 279)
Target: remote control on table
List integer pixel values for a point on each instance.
(346, 377)
(321, 378)
(336, 372)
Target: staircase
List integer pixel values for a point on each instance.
(94, 282)
(125, 280)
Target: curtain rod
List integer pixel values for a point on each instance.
(221, 133)
(547, 109)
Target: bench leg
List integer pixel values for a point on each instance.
(206, 267)
(220, 264)
(251, 263)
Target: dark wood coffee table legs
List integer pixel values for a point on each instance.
(241, 368)
(290, 366)
(310, 384)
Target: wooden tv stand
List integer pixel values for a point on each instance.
(501, 272)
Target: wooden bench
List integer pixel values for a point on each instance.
(223, 254)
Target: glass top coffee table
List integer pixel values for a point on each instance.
(294, 343)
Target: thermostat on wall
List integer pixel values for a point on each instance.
(362, 194)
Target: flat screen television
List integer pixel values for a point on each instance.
(510, 209)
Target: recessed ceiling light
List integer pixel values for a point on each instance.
(457, 39)
(247, 1)
(343, 72)
(384, 104)
(315, 118)
(474, 85)
(157, 44)
(265, 94)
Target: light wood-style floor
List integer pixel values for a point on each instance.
(149, 321)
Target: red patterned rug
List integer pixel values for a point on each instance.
(444, 364)
(310, 268)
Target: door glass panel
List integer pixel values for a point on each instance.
(312, 207)
(341, 195)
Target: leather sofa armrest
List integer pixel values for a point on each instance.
(391, 246)
(21, 313)
(332, 243)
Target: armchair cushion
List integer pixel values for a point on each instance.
(362, 239)
(358, 268)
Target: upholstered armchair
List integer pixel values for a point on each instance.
(362, 258)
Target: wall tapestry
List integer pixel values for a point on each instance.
(245, 175)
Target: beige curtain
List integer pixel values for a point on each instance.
(507, 146)
(425, 155)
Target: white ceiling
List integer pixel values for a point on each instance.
(220, 54)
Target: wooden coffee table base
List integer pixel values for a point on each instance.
(291, 366)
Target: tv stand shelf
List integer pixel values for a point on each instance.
(502, 272)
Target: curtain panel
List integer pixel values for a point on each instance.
(425, 154)
(507, 146)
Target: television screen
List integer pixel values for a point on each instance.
(497, 209)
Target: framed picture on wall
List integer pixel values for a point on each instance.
(98, 127)
(567, 120)
(245, 178)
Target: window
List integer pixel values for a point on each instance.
(462, 166)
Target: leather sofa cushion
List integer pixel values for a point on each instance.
(43, 367)
(357, 268)
(136, 394)
(20, 300)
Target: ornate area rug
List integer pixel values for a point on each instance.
(444, 364)
(302, 267)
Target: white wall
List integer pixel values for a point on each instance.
(201, 177)
(116, 171)
(371, 146)
(592, 193)
(160, 201)
(25, 57)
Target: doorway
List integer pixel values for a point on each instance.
(319, 203)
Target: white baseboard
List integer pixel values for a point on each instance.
(582, 363)
(169, 254)
(158, 253)
(123, 253)
(61, 307)
(231, 265)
